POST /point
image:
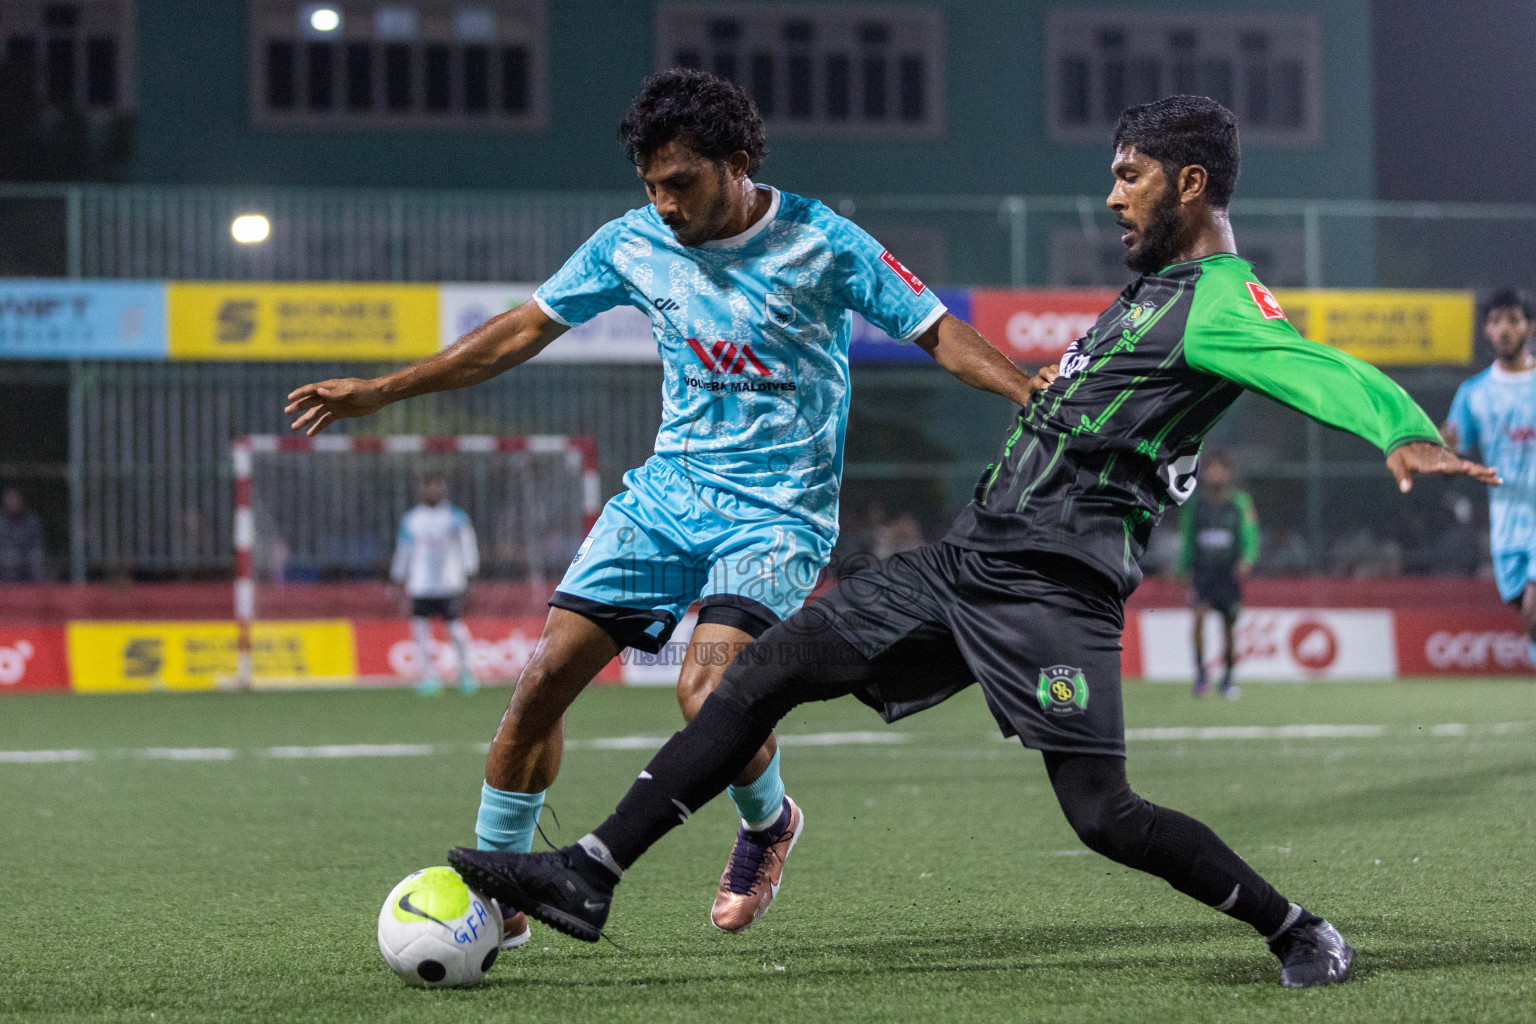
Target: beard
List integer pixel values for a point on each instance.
(1162, 238)
(714, 219)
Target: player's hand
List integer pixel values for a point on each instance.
(1042, 379)
(319, 405)
(1427, 457)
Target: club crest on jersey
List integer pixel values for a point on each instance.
(1138, 315)
(1269, 307)
(780, 309)
(902, 272)
(1062, 690)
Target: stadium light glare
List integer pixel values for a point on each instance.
(250, 228)
(325, 19)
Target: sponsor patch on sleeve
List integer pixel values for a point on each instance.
(1265, 300)
(906, 275)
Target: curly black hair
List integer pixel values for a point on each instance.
(711, 115)
(1182, 130)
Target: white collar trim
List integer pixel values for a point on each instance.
(737, 241)
(1499, 373)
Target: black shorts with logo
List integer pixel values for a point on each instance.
(1220, 591)
(446, 608)
(1039, 632)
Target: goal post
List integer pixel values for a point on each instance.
(315, 523)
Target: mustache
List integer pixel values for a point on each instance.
(1122, 222)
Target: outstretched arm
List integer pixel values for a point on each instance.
(1330, 386)
(494, 347)
(955, 345)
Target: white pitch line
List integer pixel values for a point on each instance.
(187, 753)
(841, 739)
(1257, 732)
(44, 756)
(354, 750)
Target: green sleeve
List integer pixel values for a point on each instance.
(1187, 536)
(1228, 335)
(1248, 527)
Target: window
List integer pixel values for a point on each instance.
(1266, 69)
(822, 69)
(448, 63)
(69, 56)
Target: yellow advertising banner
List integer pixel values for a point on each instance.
(130, 657)
(1387, 328)
(235, 320)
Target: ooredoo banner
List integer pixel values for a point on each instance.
(32, 658)
(1035, 327)
(1442, 642)
(498, 650)
(1275, 644)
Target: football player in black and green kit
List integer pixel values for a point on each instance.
(1025, 594)
(1220, 542)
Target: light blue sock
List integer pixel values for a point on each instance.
(1530, 650)
(761, 801)
(507, 820)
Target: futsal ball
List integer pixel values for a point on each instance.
(437, 932)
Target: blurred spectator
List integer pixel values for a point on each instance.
(1285, 554)
(21, 540)
(903, 533)
(1362, 556)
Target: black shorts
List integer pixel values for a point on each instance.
(648, 630)
(1223, 593)
(446, 608)
(1040, 633)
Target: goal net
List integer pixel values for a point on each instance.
(316, 525)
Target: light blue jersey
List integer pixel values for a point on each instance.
(1495, 412)
(753, 333)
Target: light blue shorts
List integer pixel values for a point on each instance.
(1513, 570)
(669, 541)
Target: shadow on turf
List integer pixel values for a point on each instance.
(1407, 798)
(1383, 951)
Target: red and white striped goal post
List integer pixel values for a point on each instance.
(246, 448)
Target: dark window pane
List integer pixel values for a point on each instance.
(62, 16)
(21, 66)
(1254, 42)
(1256, 92)
(360, 76)
(1182, 39)
(1146, 82)
(439, 89)
(838, 76)
(477, 79)
(724, 30)
(280, 67)
(397, 76)
(61, 72)
(1111, 38)
(1216, 81)
(874, 88)
(515, 93)
(1290, 98)
(725, 64)
(1074, 90)
(913, 99)
(689, 59)
(801, 32)
(762, 83)
(1112, 82)
(322, 75)
(101, 72)
(800, 85)
(874, 33)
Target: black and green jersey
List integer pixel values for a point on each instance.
(1216, 536)
(1093, 461)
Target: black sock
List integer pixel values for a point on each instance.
(692, 769)
(1112, 820)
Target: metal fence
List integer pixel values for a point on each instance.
(1012, 240)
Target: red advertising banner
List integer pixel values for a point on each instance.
(1448, 641)
(1035, 327)
(32, 658)
(498, 650)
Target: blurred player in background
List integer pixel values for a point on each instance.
(435, 557)
(1495, 412)
(1220, 545)
(749, 291)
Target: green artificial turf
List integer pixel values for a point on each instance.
(936, 880)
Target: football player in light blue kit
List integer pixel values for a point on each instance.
(1495, 411)
(750, 292)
